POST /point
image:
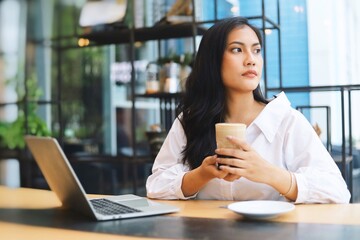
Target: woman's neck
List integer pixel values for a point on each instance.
(243, 109)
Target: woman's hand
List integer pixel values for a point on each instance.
(196, 179)
(209, 169)
(245, 162)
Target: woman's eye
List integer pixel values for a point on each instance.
(258, 50)
(236, 50)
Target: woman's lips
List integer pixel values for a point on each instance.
(250, 73)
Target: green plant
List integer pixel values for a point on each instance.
(12, 133)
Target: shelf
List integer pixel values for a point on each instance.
(325, 88)
(122, 35)
(161, 95)
(9, 153)
(338, 159)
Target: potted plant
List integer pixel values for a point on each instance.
(12, 142)
(27, 122)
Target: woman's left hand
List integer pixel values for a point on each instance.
(244, 162)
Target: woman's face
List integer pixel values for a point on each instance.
(242, 61)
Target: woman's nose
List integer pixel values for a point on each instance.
(249, 60)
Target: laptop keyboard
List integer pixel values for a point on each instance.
(107, 207)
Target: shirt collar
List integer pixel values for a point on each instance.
(270, 119)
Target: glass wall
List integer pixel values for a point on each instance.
(90, 107)
(12, 56)
(334, 56)
(73, 79)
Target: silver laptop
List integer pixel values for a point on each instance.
(63, 181)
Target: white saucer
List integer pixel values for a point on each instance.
(261, 209)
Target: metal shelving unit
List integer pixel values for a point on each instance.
(130, 35)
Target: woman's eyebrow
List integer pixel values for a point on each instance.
(241, 43)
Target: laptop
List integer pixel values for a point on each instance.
(63, 181)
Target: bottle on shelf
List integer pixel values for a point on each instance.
(171, 83)
(152, 78)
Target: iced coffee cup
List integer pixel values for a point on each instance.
(222, 130)
(228, 129)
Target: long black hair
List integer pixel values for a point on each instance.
(203, 102)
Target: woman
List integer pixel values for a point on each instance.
(282, 157)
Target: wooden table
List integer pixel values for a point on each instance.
(36, 214)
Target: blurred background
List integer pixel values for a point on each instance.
(104, 77)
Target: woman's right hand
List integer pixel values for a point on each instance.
(209, 169)
(196, 179)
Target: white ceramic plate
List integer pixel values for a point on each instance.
(261, 209)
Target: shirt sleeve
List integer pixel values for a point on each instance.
(318, 178)
(168, 169)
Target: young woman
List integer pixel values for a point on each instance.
(282, 157)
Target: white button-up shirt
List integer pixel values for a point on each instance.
(283, 137)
